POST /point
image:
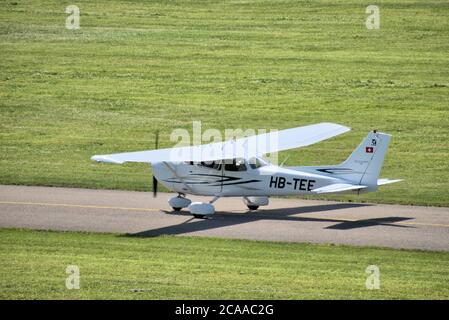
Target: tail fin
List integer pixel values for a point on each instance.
(364, 164)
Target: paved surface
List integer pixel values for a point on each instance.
(289, 220)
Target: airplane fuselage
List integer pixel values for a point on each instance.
(268, 180)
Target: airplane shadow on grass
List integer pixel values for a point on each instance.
(224, 219)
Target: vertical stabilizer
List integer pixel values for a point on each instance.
(364, 164)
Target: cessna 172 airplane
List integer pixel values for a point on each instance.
(236, 168)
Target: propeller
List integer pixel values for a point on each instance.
(156, 146)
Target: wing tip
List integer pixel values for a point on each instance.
(336, 126)
(106, 159)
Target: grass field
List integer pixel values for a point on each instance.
(135, 67)
(33, 266)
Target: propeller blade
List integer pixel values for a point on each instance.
(156, 146)
(154, 187)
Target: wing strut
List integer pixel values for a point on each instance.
(177, 176)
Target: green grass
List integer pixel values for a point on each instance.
(33, 266)
(135, 67)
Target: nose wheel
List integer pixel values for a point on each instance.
(253, 207)
(179, 202)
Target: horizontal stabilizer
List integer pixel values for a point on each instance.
(381, 182)
(338, 187)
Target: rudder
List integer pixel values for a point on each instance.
(364, 164)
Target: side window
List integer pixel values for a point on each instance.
(236, 165)
(212, 165)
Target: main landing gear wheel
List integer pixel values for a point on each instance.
(253, 203)
(201, 209)
(176, 209)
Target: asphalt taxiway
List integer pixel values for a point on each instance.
(290, 220)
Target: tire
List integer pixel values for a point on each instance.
(253, 207)
(177, 209)
(198, 216)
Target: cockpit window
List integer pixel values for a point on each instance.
(210, 164)
(255, 163)
(236, 165)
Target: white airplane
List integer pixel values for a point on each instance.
(236, 168)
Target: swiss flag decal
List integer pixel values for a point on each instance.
(369, 149)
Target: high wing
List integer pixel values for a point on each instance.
(338, 187)
(246, 148)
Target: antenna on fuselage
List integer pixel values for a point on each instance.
(285, 160)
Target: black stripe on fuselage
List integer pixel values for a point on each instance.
(193, 182)
(241, 182)
(216, 183)
(223, 179)
(330, 170)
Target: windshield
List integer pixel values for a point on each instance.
(255, 163)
